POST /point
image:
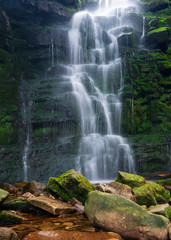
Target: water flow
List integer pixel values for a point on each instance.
(97, 84)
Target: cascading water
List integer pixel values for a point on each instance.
(96, 77)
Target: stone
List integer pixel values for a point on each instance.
(158, 38)
(112, 212)
(129, 179)
(3, 195)
(117, 188)
(70, 184)
(161, 194)
(34, 187)
(9, 188)
(145, 195)
(170, 233)
(126, 40)
(19, 204)
(50, 205)
(9, 218)
(72, 235)
(162, 209)
(7, 234)
(153, 5)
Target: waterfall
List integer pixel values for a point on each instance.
(97, 82)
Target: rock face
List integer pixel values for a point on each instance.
(53, 206)
(70, 185)
(115, 213)
(34, 187)
(158, 38)
(131, 180)
(117, 188)
(162, 209)
(73, 235)
(7, 234)
(3, 195)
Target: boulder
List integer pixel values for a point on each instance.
(70, 184)
(145, 195)
(161, 194)
(3, 195)
(126, 40)
(117, 188)
(9, 188)
(158, 38)
(129, 179)
(50, 205)
(162, 209)
(9, 218)
(166, 183)
(72, 235)
(7, 234)
(19, 204)
(34, 187)
(112, 212)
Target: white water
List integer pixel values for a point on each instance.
(97, 84)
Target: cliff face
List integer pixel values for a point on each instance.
(35, 116)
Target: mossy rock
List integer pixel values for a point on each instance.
(153, 5)
(165, 183)
(162, 209)
(70, 184)
(161, 194)
(145, 195)
(8, 218)
(3, 195)
(19, 204)
(129, 179)
(112, 212)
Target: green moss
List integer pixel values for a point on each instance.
(161, 194)
(131, 180)
(164, 182)
(3, 195)
(8, 218)
(71, 185)
(19, 204)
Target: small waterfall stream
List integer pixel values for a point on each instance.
(95, 73)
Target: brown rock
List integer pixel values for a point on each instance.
(50, 205)
(28, 195)
(7, 234)
(34, 187)
(72, 235)
(117, 188)
(9, 188)
(20, 185)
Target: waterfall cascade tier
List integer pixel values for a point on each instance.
(95, 73)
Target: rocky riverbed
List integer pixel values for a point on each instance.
(70, 207)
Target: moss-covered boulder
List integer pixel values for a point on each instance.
(3, 195)
(129, 179)
(8, 218)
(145, 195)
(162, 209)
(158, 38)
(19, 204)
(166, 183)
(161, 194)
(112, 212)
(70, 184)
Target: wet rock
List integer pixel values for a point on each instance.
(162, 209)
(117, 188)
(34, 187)
(126, 40)
(19, 204)
(20, 185)
(9, 188)
(131, 180)
(7, 234)
(50, 205)
(161, 194)
(153, 5)
(166, 183)
(158, 38)
(72, 235)
(70, 184)
(9, 217)
(3, 195)
(112, 212)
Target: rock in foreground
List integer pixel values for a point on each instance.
(50, 205)
(7, 234)
(3, 195)
(115, 213)
(70, 185)
(66, 235)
